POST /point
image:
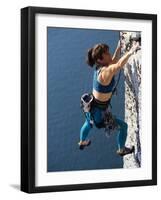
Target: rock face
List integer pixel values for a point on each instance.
(132, 72)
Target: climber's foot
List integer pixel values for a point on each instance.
(124, 151)
(83, 144)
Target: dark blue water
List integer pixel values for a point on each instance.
(68, 78)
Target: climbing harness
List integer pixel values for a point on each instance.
(88, 102)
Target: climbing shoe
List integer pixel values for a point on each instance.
(84, 144)
(124, 151)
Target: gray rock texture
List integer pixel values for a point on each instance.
(132, 72)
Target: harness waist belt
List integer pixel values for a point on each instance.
(101, 104)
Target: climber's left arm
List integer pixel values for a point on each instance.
(116, 55)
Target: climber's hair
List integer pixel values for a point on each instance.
(95, 53)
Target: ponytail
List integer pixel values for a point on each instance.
(90, 61)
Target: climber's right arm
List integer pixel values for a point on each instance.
(117, 66)
(111, 70)
(108, 72)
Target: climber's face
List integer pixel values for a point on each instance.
(106, 58)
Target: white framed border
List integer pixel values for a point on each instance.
(42, 178)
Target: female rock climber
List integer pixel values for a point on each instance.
(106, 67)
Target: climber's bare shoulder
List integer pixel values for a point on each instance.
(107, 74)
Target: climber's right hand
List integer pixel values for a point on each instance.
(134, 48)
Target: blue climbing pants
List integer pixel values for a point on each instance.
(98, 118)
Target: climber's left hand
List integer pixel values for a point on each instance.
(135, 47)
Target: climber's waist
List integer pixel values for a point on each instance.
(100, 104)
(102, 96)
